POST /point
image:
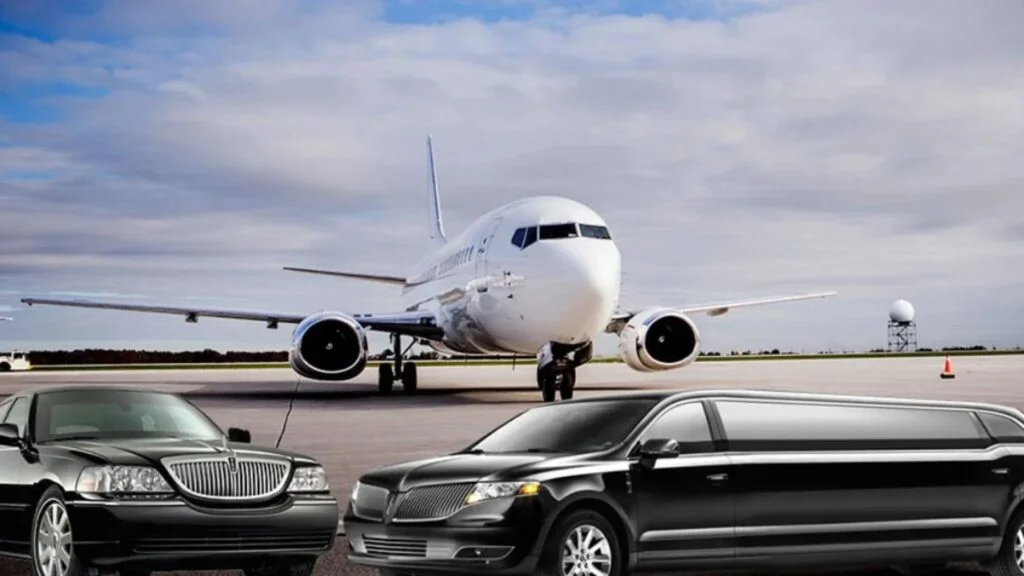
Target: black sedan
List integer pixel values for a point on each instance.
(139, 481)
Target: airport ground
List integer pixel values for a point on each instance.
(352, 429)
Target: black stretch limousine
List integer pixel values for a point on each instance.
(706, 480)
(140, 481)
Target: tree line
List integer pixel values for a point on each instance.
(209, 356)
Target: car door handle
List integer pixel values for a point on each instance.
(718, 477)
(1000, 471)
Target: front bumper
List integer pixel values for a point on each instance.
(439, 548)
(179, 535)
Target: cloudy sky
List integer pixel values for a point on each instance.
(182, 152)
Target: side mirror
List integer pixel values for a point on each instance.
(9, 435)
(239, 435)
(656, 448)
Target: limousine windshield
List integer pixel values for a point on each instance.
(575, 428)
(105, 414)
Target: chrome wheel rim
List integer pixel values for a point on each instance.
(53, 541)
(586, 552)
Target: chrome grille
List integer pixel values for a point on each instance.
(218, 478)
(370, 502)
(432, 502)
(408, 547)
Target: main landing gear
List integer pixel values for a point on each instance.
(405, 371)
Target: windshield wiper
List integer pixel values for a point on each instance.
(473, 451)
(74, 437)
(546, 450)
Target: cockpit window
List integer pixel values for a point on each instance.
(517, 238)
(523, 237)
(556, 231)
(531, 236)
(592, 231)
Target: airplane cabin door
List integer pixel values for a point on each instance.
(484, 249)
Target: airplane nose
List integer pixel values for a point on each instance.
(587, 289)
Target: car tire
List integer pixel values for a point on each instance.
(1010, 560)
(302, 567)
(561, 550)
(52, 538)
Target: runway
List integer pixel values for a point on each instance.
(352, 430)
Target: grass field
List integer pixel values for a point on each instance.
(526, 361)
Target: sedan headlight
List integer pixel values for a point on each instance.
(490, 490)
(122, 480)
(309, 479)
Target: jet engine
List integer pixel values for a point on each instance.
(659, 339)
(329, 346)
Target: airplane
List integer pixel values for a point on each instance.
(6, 319)
(538, 276)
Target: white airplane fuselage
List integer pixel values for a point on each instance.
(491, 296)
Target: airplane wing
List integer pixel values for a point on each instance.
(356, 275)
(619, 319)
(415, 324)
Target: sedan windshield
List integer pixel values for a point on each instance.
(571, 428)
(98, 414)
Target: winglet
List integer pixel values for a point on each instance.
(436, 222)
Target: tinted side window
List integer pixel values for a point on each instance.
(792, 425)
(18, 415)
(1002, 428)
(686, 424)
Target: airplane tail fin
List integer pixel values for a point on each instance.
(436, 222)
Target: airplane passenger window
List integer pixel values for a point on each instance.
(558, 231)
(531, 236)
(518, 237)
(592, 231)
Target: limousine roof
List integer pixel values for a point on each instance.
(665, 396)
(85, 387)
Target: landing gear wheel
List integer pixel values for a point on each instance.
(385, 378)
(409, 378)
(53, 551)
(1010, 560)
(584, 542)
(568, 384)
(288, 568)
(546, 383)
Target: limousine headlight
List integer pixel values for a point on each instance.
(490, 490)
(309, 479)
(132, 480)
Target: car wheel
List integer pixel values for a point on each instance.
(287, 568)
(53, 550)
(584, 542)
(1010, 561)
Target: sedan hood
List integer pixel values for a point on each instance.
(451, 469)
(147, 450)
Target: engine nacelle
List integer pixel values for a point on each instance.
(329, 346)
(659, 339)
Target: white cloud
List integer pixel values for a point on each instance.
(813, 146)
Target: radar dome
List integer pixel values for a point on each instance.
(901, 311)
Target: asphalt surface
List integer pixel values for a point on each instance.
(352, 430)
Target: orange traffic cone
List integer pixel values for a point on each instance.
(947, 370)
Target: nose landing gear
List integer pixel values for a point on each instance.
(405, 371)
(556, 369)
